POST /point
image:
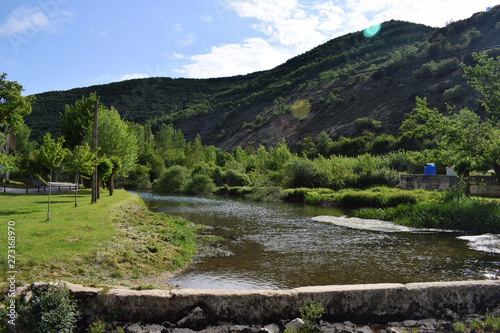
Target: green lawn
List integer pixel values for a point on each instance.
(115, 241)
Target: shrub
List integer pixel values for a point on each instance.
(172, 180)
(97, 327)
(310, 314)
(301, 172)
(50, 309)
(453, 94)
(235, 178)
(444, 67)
(199, 185)
(366, 123)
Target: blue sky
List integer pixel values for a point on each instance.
(62, 44)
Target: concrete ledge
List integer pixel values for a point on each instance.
(375, 303)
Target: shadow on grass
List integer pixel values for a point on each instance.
(18, 212)
(56, 201)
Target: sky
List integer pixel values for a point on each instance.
(50, 45)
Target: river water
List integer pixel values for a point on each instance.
(281, 246)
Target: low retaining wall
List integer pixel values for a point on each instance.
(374, 303)
(480, 185)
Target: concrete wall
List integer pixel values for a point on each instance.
(480, 185)
(375, 303)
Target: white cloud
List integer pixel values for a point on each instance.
(99, 35)
(233, 59)
(291, 27)
(133, 76)
(207, 18)
(27, 21)
(23, 20)
(265, 10)
(189, 39)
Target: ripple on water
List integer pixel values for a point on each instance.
(489, 243)
(372, 225)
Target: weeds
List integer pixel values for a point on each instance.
(310, 314)
(486, 324)
(460, 213)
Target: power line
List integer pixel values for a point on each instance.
(455, 55)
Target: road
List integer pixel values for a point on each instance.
(57, 187)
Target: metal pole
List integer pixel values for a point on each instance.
(94, 146)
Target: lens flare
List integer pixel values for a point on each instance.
(372, 31)
(301, 108)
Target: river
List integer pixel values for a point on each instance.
(280, 246)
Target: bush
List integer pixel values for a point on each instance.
(301, 172)
(235, 178)
(366, 123)
(172, 180)
(453, 94)
(50, 309)
(199, 185)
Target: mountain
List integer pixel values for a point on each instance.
(341, 87)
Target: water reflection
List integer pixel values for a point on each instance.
(279, 246)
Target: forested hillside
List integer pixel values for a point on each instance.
(351, 86)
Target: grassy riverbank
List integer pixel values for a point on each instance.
(461, 213)
(116, 241)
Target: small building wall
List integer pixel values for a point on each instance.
(480, 185)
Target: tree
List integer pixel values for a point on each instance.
(51, 155)
(81, 162)
(462, 139)
(13, 108)
(77, 119)
(324, 144)
(116, 142)
(485, 78)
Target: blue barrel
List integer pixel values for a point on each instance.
(430, 169)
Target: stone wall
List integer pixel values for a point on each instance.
(480, 185)
(374, 303)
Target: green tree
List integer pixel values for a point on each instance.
(81, 162)
(324, 144)
(77, 119)
(116, 142)
(51, 155)
(462, 139)
(485, 78)
(13, 108)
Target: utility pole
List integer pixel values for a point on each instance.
(94, 146)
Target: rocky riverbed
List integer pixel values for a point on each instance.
(198, 321)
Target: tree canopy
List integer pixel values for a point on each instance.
(116, 142)
(13, 106)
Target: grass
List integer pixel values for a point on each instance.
(115, 241)
(487, 323)
(459, 213)
(374, 197)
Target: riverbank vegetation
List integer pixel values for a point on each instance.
(325, 170)
(459, 213)
(116, 241)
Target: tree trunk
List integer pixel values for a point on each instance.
(467, 184)
(50, 192)
(77, 177)
(111, 184)
(99, 180)
(496, 167)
